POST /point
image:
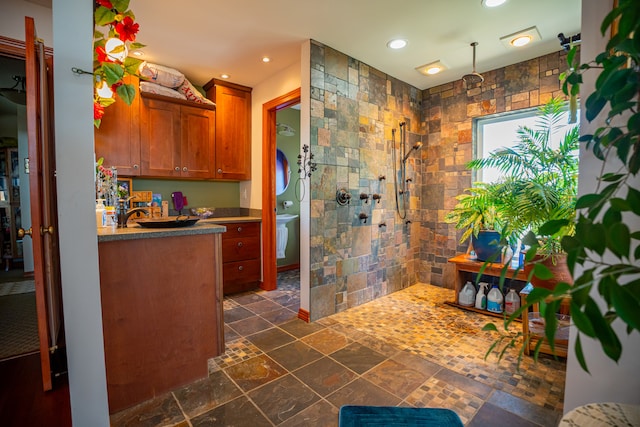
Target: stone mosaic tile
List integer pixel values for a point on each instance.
(236, 352)
(435, 393)
(255, 372)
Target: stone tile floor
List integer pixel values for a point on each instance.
(406, 349)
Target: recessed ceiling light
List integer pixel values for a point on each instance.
(397, 43)
(521, 41)
(224, 76)
(431, 68)
(493, 3)
(521, 38)
(266, 59)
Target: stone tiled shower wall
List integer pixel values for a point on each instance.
(353, 110)
(448, 113)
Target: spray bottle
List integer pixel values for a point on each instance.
(481, 296)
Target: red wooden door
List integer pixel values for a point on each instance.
(43, 208)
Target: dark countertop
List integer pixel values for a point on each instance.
(204, 226)
(134, 231)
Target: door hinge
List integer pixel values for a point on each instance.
(26, 165)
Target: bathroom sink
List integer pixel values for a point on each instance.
(283, 219)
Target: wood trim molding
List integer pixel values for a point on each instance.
(269, 110)
(17, 48)
(304, 315)
(289, 267)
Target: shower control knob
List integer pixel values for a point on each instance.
(376, 197)
(343, 197)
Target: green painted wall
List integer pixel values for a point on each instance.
(290, 146)
(198, 193)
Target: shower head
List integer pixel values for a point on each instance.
(473, 77)
(416, 146)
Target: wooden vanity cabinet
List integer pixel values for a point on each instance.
(176, 140)
(117, 139)
(233, 129)
(241, 266)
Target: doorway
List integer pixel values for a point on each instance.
(19, 333)
(269, 200)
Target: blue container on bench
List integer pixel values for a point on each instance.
(486, 245)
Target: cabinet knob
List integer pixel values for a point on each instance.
(136, 166)
(239, 229)
(177, 168)
(184, 169)
(240, 268)
(240, 244)
(219, 170)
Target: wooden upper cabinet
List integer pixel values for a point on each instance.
(197, 142)
(118, 138)
(160, 138)
(176, 140)
(233, 129)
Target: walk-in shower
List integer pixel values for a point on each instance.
(400, 188)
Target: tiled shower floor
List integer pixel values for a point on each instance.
(406, 349)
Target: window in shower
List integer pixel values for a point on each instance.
(500, 130)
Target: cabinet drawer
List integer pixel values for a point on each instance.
(241, 272)
(241, 229)
(240, 249)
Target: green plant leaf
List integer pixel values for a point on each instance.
(490, 327)
(608, 339)
(589, 201)
(120, 5)
(112, 72)
(619, 204)
(581, 321)
(127, 93)
(612, 177)
(132, 65)
(552, 226)
(633, 198)
(103, 16)
(626, 306)
(596, 239)
(542, 272)
(580, 354)
(619, 240)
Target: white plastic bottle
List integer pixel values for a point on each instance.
(481, 296)
(467, 295)
(511, 302)
(495, 300)
(101, 217)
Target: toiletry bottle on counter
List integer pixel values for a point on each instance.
(111, 217)
(101, 217)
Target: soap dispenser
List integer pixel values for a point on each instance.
(101, 217)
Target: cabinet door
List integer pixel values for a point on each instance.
(198, 142)
(118, 138)
(160, 138)
(233, 133)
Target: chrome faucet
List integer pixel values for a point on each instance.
(123, 214)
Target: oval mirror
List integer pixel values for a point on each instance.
(283, 172)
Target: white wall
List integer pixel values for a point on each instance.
(73, 47)
(277, 85)
(12, 20)
(608, 382)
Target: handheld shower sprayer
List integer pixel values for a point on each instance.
(416, 146)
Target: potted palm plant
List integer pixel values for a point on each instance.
(538, 184)
(478, 212)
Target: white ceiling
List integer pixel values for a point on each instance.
(204, 38)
